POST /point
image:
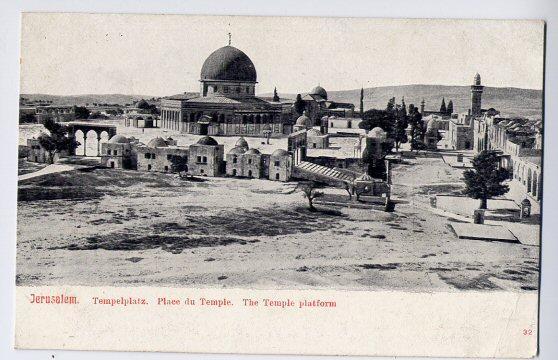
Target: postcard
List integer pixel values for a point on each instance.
(279, 185)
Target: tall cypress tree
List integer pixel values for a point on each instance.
(299, 104)
(275, 96)
(443, 108)
(403, 106)
(450, 108)
(361, 102)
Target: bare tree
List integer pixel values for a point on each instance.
(310, 192)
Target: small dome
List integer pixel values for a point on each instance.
(526, 202)
(207, 140)
(157, 142)
(303, 120)
(237, 150)
(377, 132)
(228, 64)
(364, 177)
(119, 139)
(280, 152)
(313, 132)
(318, 90)
(241, 142)
(253, 152)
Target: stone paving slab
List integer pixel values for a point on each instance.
(483, 232)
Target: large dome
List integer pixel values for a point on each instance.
(228, 64)
(318, 90)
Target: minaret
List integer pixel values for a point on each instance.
(476, 96)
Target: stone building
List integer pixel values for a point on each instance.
(117, 153)
(280, 165)
(58, 113)
(460, 131)
(206, 158)
(141, 120)
(317, 105)
(341, 125)
(317, 140)
(37, 153)
(476, 96)
(226, 103)
(461, 126)
(157, 154)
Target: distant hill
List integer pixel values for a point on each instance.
(509, 101)
(81, 100)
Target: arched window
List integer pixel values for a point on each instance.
(258, 119)
(529, 180)
(249, 173)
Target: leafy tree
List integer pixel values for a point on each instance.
(57, 141)
(450, 108)
(384, 119)
(485, 179)
(82, 112)
(299, 104)
(27, 118)
(275, 95)
(417, 128)
(179, 164)
(443, 108)
(310, 190)
(142, 104)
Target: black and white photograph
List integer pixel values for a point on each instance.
(186, 183)
(182, 157)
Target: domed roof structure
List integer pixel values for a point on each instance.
(228, 64)
(377, 132)
(157, 142)
(303, 120)
(241, 142)
(237, 150)
(318, 90)
(253, 152)
(280, 152)
(119, 139)
(313, 132)
(207, 140)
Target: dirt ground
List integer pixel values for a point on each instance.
(123, 228)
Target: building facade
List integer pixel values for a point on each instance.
(226, 104)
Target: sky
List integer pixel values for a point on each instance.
(158, 55)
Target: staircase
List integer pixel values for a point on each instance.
(311, 171)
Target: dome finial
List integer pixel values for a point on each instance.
(230, 36)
